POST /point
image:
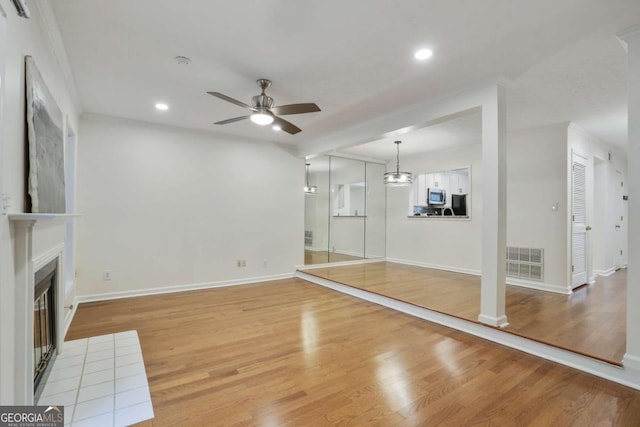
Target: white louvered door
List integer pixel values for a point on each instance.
(579, 256)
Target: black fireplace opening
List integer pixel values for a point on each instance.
(44, 324)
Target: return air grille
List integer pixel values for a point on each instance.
(527, 263)
(308, 238)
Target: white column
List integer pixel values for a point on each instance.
(6, 274)
(24, 294)
(494, 210)
(632, 356)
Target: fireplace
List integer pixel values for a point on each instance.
(44, 324)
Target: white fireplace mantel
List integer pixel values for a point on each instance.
(23, 224)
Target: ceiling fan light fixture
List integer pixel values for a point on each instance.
(311, 190)
(261, 118)
(397, 178)
(277, 128)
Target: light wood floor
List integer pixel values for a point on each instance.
(289, 353)
(591, 321)
(321, 257)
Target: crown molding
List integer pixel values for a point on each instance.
(626, 34)
(56, 45)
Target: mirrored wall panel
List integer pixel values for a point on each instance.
(345, 215)
(346, 228)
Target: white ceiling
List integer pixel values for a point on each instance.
(353, 58)
(458, 131)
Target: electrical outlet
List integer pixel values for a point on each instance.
(244, 262)
(106, 275)
(265, 264)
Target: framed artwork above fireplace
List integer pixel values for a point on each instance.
(45, 186)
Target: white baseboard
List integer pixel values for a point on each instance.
(338, 264)
(435, 266)
(540, 286)
(179, 288)
(605, 273)
(631, 362)
(350, 253)
(628, 376)
(69, 317)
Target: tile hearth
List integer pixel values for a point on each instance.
(100, 381)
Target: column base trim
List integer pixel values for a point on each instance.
(498, 322)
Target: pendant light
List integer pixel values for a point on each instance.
(397, 178)
(309, 189)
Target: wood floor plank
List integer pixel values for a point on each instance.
(290, 353)
(591, 321)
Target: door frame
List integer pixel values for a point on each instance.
(620, 224)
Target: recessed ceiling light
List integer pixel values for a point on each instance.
(182, 60)
(422, 54)
(277, 128)
(162, 106)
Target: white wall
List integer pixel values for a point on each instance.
(167, 207)
(23, 37)
(537, 180)
(438, 242)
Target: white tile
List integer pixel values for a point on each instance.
(94, 378)
(124, 342)
(64, 373)
(100, 365)
(92, 408)
(100, 346)
(66, 362)
(61, 399)
(101, 338)
(127, 334)
(128, 359)
(130, 370)
(68, 414)
(72, 351)
(95, 391)
(134, 414)
(55, 387)
(129, 383)
(104, 420)
(132, 397)
(75, 343)
(99, 355)
(130, 349)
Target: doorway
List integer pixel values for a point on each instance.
(580, 200)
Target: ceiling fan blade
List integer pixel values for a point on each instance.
(231, 100)
(235, 119)
(283, 110)
(286, 126)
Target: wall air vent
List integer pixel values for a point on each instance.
(308, 238)
(526, 263)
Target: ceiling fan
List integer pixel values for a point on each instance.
(265, 113)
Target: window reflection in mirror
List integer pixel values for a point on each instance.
(348, 199)
(442, 194)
